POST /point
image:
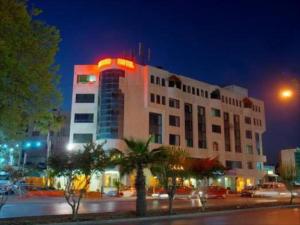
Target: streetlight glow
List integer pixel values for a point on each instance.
(286, 94)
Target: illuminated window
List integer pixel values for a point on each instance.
(86, 78)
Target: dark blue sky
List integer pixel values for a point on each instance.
(254, 44)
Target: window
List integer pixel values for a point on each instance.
(198, 92)
(248, 120)
(189, 89)
(249, 134)
(202, 93)
(237, 133)
(163, 82)
(174, 103)
(157, 80)
(85, 98)
(249, 149)
(216, 128)
(202, 143)
(174, 139)
(152, 97)
(163, 100)
(82, 138)
(215, 112)
(152, 79)
(257, 143)
(206, 94)
(193, 90)
(259, 166)
(84, 118)
(188, 117)
(233, 164)
(184, 88)
(155, 127)
(215, 146)
(86, 78)
(230, 101)
(227, 131)
(250, 165)
(157, 99)
(174, 121)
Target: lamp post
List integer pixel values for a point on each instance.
(290, 91)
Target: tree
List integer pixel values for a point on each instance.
(28, 81)
(138, 157)
(170, 169)
(288, 174)
(74, 165)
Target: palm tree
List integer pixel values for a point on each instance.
(50, 122)
(138, 157)
(170, 169)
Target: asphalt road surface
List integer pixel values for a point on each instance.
(57, 206)
(254, 217)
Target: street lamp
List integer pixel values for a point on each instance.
(286, 93)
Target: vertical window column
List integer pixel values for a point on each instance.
(188, 114)
(155, 127)
(227, 131)
(202, 141)
(237, 133)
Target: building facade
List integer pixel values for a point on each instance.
(118, 98)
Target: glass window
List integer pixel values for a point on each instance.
(84, 118)
(174, 139)
(152, 79)
(174, 121)
(163, 100)
(193, 90)
(184, 88)
(227, 131)
(163, 82)
(216, 128)
(85, 98)
(249, 134)
(86, 78)
(248, 120)
(82, 138)
(188, 114)
(155, 127)
(158, 80)
(174, 103)
(157, 99)
(215, 112)
(233, 164)
(152, 97)
(259, 166)
(206, 94)
(188, 89)
(198, 92)
(249, 149)
(202, 142)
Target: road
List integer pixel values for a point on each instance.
(253, 217)
(57, 206)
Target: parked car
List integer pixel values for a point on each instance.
(216, 192)
(275, 189)
(181, 192)
(248, 191)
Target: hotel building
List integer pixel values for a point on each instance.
(118, 98)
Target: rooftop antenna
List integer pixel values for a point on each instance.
(149, 55)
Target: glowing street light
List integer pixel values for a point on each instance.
(286, 93)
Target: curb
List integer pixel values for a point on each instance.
(179, 216)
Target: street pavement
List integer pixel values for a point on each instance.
(287, 216)
(16, 207)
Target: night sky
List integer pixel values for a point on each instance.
(254, 44)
